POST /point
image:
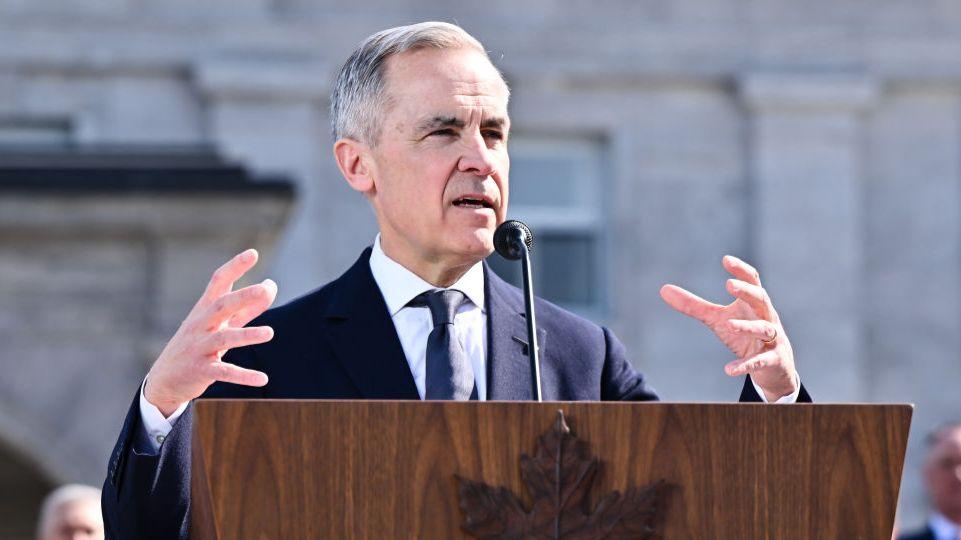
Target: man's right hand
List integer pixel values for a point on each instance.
(190, 362)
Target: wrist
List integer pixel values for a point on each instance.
(774, 393)
(772, 397)
(166, 406)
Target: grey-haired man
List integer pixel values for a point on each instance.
(421, 127)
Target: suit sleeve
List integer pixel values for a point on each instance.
(146, 495)
(750, 395)
(619, 380)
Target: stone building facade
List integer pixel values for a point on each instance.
(820, 140)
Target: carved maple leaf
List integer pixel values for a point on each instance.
(559, 478)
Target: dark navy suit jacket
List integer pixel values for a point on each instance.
(339, 342)
(922, 534)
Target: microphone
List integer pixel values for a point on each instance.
(509, 237)
(514, 241)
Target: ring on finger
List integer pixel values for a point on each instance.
(772, 340)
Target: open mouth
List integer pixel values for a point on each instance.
(472, 202)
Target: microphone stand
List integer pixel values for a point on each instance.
(532, 349)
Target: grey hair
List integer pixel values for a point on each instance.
(61, 496)
(358, 97)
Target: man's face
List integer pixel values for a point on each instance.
(440, 166)
(75, 520)
(942, 474)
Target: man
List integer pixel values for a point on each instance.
(421, 127)
(71, 512)
(942, 479)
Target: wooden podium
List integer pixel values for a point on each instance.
(387, 469)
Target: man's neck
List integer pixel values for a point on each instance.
(438, 273)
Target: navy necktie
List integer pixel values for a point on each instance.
(449, 372)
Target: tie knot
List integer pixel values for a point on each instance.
(443, 304)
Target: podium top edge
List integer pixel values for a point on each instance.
(415, 403)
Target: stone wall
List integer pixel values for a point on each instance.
(92, 288)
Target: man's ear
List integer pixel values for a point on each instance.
(354, 160)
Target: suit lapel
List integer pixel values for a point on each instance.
(508, 366)
(364, 338)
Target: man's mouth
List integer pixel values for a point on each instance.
(472, 202)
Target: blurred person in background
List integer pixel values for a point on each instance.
(942, 480)
(71, 512)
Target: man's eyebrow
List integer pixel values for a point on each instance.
(498, 123)
(440, 121)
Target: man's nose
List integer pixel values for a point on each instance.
(477, 157)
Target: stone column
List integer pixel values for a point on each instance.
(271, 115)
(804, 147)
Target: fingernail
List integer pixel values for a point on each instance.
(269, 283)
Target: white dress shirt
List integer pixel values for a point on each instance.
(943, 528)
(399, 286)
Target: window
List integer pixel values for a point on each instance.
(556, 188)
(22, 131)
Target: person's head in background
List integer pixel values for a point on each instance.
(71, 512)
(942, 470)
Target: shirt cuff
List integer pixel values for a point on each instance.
(156, 427)
(790, 398)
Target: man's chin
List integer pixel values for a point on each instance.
(476, 245)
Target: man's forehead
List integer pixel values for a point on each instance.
(455, 72)
(430, 114)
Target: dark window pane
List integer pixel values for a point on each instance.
(545, 181)
(564, 268)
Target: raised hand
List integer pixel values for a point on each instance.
(749, 326)
(191, 360)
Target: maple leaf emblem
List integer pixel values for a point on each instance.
(559, 478)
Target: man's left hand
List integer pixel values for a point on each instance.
(749, 326)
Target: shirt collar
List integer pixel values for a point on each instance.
(943, 527)
(399, 285)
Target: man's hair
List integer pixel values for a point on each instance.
(937, 434)
(359, 96)
(63, 495)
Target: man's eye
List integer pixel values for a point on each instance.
(494, 134)
(443, 132)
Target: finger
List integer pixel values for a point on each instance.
(758, 329)
(250, 312)
(226, 306)
(229, 373)
(222, 280)
(753, 295)
(741, 270)
(231, 338)
(689, 303)
(750, 365)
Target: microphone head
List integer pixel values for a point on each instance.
(508, 237)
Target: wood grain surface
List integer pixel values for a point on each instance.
(385, 469)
